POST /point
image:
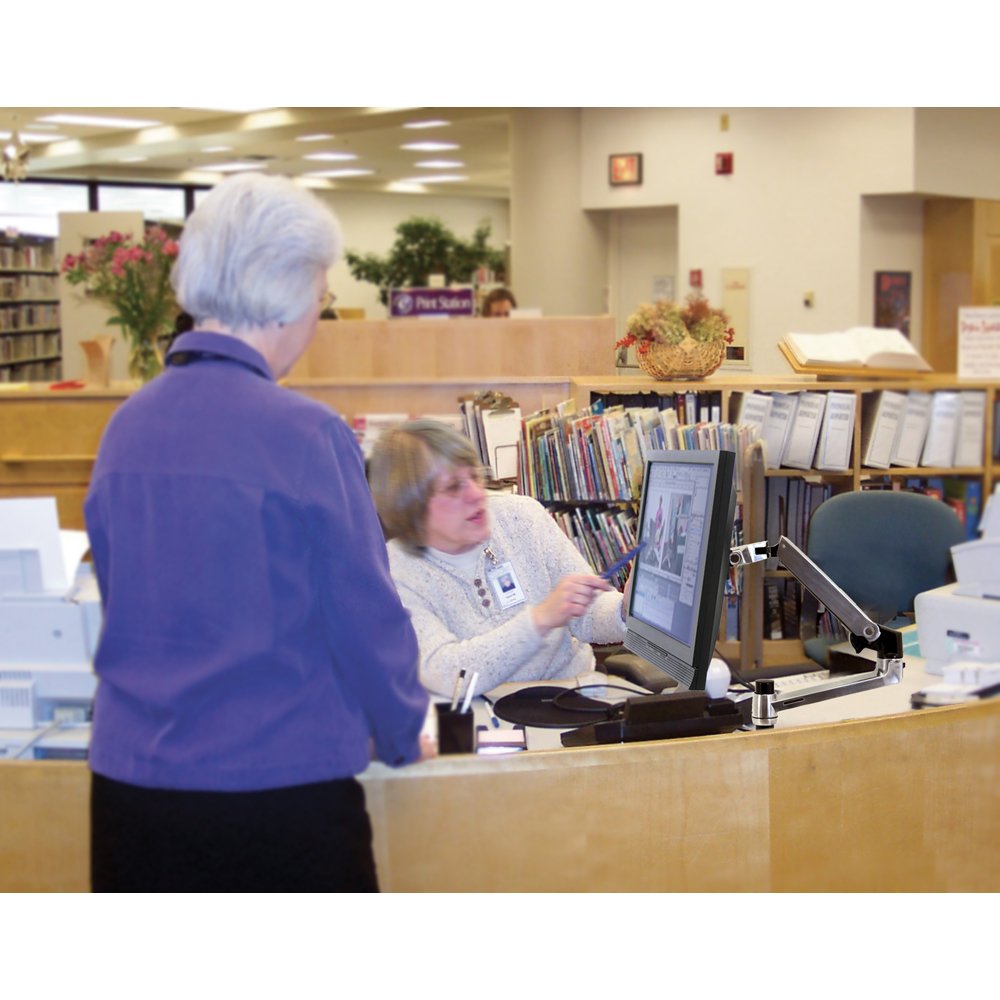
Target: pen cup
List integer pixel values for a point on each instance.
(455, 730)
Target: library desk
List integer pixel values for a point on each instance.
(905, 802)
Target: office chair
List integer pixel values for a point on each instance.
(882, 547)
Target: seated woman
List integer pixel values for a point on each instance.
(491, 582)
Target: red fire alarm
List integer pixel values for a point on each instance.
(694, 278)
(723, 163)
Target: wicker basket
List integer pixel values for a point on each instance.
(690, 359)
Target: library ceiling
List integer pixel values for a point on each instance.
(422, 150)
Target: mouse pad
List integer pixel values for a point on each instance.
(536, 706)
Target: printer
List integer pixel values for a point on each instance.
(959, 624)
(50, 619)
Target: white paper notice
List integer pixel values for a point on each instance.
(979, 343)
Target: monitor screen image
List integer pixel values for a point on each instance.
(686, 522)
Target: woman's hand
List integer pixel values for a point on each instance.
(571, 597)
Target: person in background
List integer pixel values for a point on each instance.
(490, 580)
(498, 303)
(254, 646)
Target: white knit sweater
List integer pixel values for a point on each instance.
(456, 630)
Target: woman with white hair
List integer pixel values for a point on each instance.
(254, 646)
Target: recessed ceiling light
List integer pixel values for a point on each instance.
(430, 123)
(217, 149)
(430, 147)
(230, 168)
(133, 159)
(405, 187)
(318, 137)
(99, 121)
(330, 156)
(342, 172)
(434, 179)
(440, 164)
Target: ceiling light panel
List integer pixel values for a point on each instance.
(343, 172)
(330, 156)
(433, 123)
(430, 147)
(440, 164)
(100, 121)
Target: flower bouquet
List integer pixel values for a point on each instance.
(678, 342)
(133, 277)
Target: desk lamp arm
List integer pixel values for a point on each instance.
(864, 634)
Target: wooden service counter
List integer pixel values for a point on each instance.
(895, 803)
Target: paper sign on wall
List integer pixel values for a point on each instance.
(979, 343)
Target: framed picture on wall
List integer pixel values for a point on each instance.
(624, 168)
(892, 300)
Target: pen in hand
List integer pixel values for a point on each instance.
(621, 563)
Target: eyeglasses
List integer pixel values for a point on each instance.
(327, 300)
(455, 485)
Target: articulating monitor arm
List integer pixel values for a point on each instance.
(865, 634)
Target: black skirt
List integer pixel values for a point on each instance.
(305, 838)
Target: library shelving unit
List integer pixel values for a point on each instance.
(30, 336)
(753, 649)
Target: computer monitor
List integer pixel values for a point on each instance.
(686, 522)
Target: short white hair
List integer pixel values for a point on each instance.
(253, 252)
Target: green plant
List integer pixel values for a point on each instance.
(424, 247)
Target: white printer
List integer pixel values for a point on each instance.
(50, 618)
(960, 623)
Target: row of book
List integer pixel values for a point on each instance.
(800, 430)
(691, 406)
(599, 454)
(601, 535)
(17, 287)
(942, 429)
(31, 371)
(26, 256)
(28, 317)
(26, 347)
(782, 609)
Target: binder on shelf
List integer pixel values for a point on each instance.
(912, 433)
(942, 431)
(805, 431)
(753, 408)
(881, 413)
(778, 426)
(837, 433)
(971, 429)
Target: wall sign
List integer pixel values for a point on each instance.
(979, 343)
(431, 302)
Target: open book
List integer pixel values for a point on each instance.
(858, 347)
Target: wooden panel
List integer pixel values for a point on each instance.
(483, 348)
(44, 840)
(909, 803)
(901, 803)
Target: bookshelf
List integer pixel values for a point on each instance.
(766, 491)
(30, 334)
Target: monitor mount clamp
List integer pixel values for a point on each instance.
(864, 634)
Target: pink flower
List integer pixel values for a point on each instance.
(170, 248)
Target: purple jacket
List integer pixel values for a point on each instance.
(253, 637)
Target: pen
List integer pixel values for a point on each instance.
(491, 715)
(470, 691)
(458, 689)
(621, 563)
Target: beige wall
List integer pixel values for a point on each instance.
(559, 252)
(794, 210)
